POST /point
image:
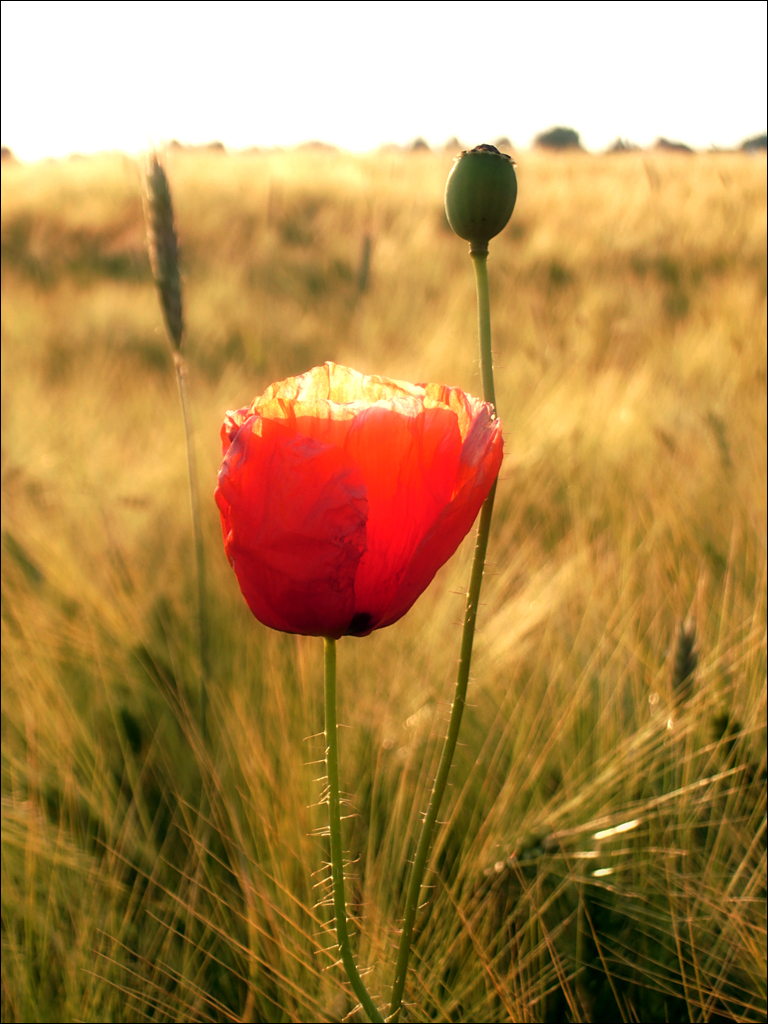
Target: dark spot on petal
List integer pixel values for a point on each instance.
(360, 623)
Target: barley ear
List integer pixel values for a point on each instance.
(685, 661)
(163, 247)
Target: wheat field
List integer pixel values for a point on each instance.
(602, 850)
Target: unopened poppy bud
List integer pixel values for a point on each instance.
(480, 195)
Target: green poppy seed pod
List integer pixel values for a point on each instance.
(480, 195)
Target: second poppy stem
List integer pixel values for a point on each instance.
(334, 815)
(479, 258)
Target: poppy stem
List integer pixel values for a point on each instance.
(337, 861)
(479, 258)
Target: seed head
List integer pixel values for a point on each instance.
(685, 660)
(163, 247)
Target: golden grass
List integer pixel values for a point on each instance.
(147, 876)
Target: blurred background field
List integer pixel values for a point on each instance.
(603, 853)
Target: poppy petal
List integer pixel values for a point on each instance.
(294, 513)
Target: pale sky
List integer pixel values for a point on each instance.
(85, 77)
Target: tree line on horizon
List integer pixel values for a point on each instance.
(557, 138)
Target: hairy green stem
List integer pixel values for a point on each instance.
(480, 260)
(202, 615)
(465, 659)
(334, 815)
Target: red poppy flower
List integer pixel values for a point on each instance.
(342, 495)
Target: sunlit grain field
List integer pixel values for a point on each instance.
(603, 849)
